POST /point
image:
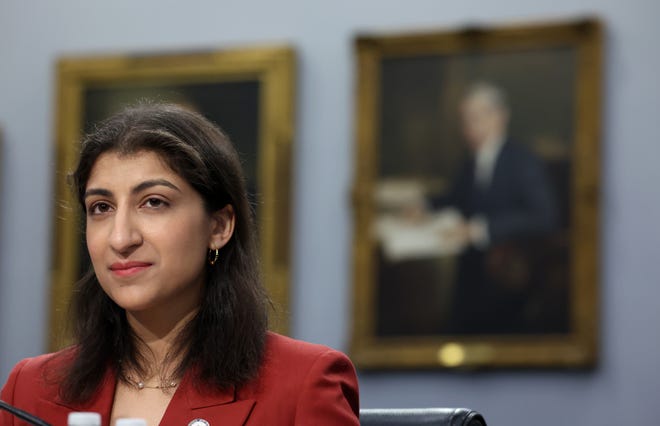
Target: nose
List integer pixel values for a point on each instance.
(125, 235)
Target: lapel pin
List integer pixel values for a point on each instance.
(199, 422)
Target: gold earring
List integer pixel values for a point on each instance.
(213, 256)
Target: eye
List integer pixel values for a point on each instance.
(155, 203)
(99, 208)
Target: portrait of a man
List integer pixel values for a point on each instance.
(476, 197)
(473, 197)
(505, 200)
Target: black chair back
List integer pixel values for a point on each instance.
(420, 416)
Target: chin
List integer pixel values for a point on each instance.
(132, 303)
(134, 306)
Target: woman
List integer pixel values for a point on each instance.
(170, 322)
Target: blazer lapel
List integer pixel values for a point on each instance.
(217, 408)
(501, 167)
(56, 411)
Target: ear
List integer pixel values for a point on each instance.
(223, 222)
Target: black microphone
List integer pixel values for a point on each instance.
(22, 414)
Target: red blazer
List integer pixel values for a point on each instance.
(298, 384)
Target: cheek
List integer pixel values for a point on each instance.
(182, 246)
(96, 248)
(183, 240)
(471, 132)
(471, 123)
(94, 242)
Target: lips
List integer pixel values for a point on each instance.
(127, 269)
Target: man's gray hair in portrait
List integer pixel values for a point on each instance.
(493, 93)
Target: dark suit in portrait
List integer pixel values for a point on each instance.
(519, 209)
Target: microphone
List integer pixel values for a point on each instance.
(33, 420)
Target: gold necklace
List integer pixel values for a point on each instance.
(139, 384)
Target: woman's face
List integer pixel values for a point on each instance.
(148, 233)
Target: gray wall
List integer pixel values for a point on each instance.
(624, 390)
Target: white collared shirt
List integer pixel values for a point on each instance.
(485, 159)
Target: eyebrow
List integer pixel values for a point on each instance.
(154, 182)
(136, 189)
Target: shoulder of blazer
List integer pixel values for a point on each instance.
(34, 380)
(276, 343)
(40, 373)
(288, 361)
(283, 351)
(516, 151)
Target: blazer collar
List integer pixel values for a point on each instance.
(217, 407)
(189, 402)
(56, 411)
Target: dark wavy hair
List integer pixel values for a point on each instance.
(223, 344)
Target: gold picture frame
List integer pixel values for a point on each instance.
(253, 88)
(409, 87)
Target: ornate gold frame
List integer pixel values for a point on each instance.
(272, 67)
(578, 349)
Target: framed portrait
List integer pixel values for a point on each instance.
(249, 93)
(476, 197)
